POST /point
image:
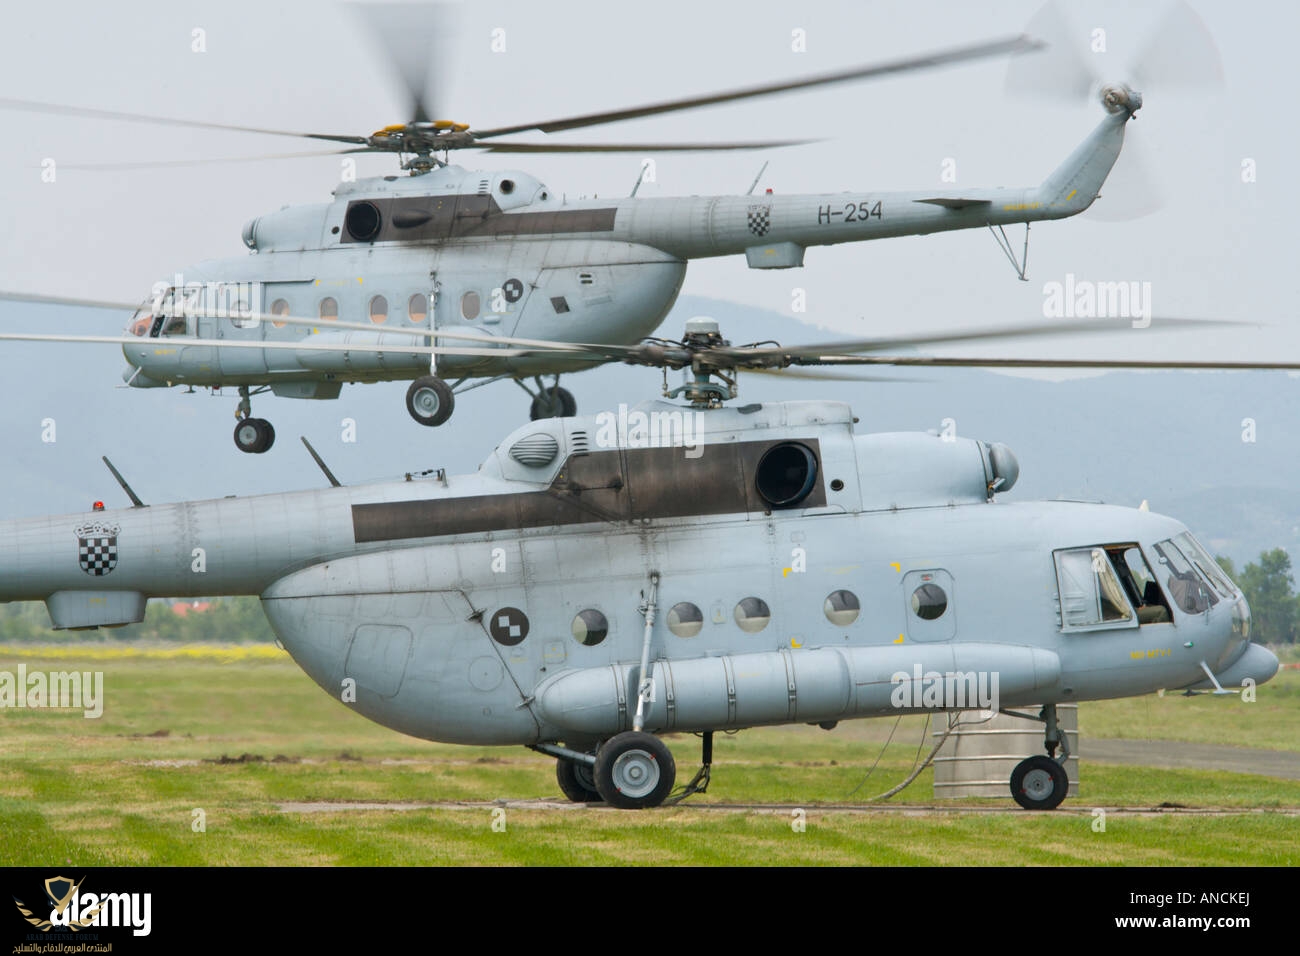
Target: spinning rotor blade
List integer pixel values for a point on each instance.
(215, 161)
(301, 345)
(1012, 45)
(1180, 55)
(811, 354)
(634, 147)
(418, 41)
(953, 362)
(57, 109)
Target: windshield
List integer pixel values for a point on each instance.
(1205, 564)
(159, 315)
(1185, 585)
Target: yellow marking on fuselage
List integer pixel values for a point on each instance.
(1071, 196)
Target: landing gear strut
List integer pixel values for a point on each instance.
(1040, 782)
(550, 401)
(252, 435)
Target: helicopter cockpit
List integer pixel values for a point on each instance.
(1113, 585)
(157, 317)
(167, 311)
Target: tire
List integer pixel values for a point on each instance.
(429, 401)
(634, 771)
(577, 781)
(553, 403)
(253, 435)
(1039, 783)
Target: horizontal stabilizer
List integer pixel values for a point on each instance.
(955, 202)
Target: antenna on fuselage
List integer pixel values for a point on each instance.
(135, 499)
(319, 461)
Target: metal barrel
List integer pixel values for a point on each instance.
(977, 758)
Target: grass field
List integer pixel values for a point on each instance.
(226, 736)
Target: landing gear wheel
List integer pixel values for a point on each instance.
(554, 402)
(254, 435)
(577, 781)
(1039, 783)
(634, 770)
(430, 401)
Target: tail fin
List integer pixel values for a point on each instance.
(1074, 184)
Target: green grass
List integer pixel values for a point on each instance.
(122, 789)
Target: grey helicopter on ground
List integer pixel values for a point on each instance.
(685, 568)
(473, 265)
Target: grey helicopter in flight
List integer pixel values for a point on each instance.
(478, 267)
(685, 567)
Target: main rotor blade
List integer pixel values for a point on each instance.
(1011, 45)
(418, 42)
(935, 361)
(494, 147)
(612, 352)
(1035, 330)
(37, 299)
(180, 163)
(58, 109)
(302, 345)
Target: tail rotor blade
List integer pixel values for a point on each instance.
(1063, 71)
(1180, 55)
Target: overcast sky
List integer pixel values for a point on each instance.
(1219, 247)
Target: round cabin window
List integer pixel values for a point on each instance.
(590, 627)
(929, 601)
(752, 614)
(685, 619)
(841, 608)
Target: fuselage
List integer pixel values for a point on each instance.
(796, 570)
(500, 254)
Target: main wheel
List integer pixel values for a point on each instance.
(254, 435)
(553, 402)
(577, 781)
(634, 770)
(430, 401)
(1039, 783)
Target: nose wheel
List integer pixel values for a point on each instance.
(1041, 782)
(429, 400)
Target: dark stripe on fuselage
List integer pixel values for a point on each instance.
(425, 218)
(618, 485)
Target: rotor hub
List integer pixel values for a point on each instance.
(1119, 97)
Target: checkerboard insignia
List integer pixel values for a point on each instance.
(760, 219)
(508, 626)
(97, 547)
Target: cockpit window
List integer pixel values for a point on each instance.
(1205, 564)
(1187, 588)
(160, 315)
(1090, 591)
